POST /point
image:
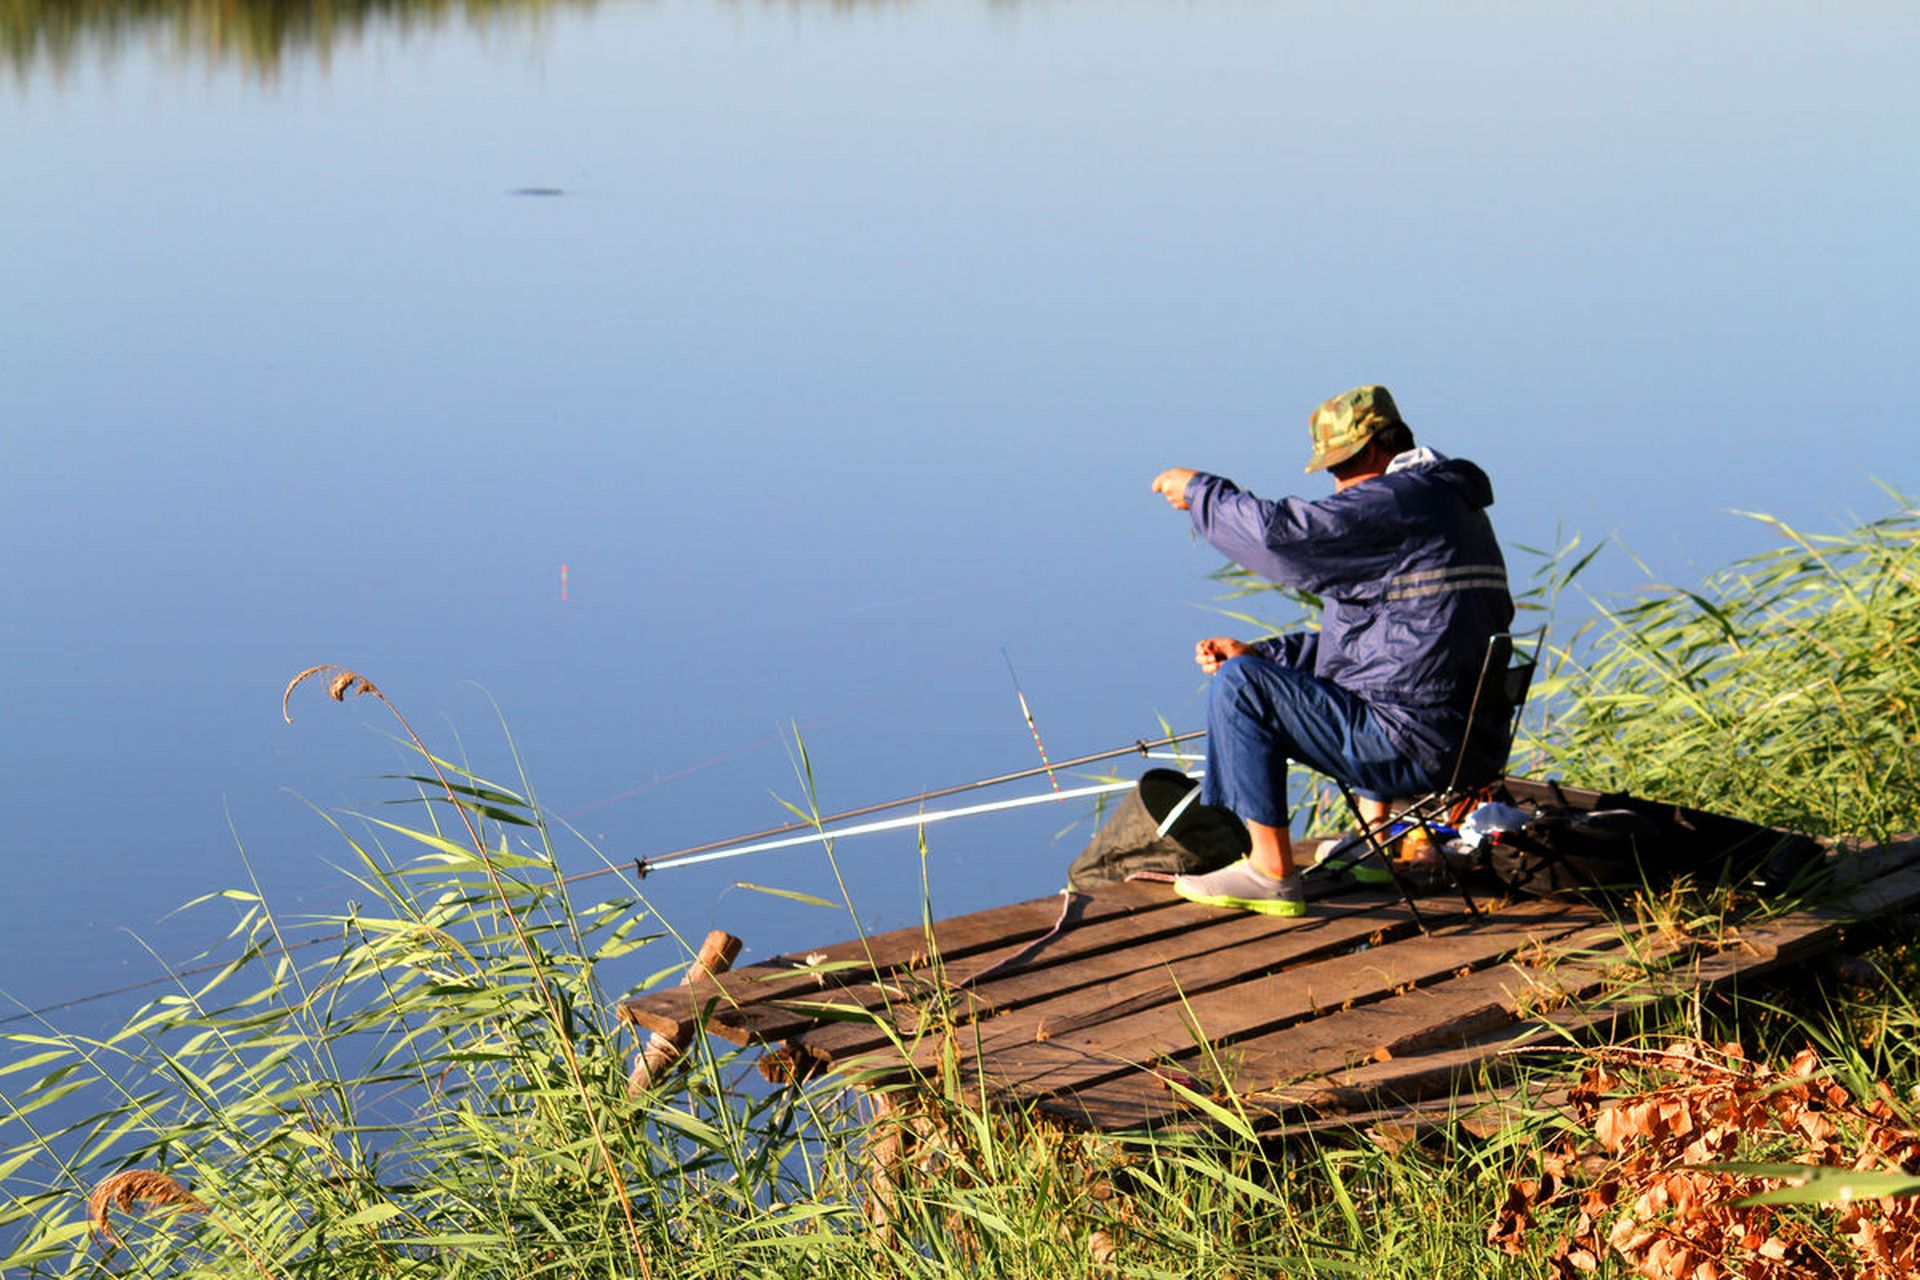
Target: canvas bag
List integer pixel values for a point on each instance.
(1202, 838)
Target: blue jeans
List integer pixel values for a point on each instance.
(1261, 714)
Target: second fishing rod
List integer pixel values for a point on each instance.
(1140, 746)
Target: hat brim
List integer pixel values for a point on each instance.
(1338, 454)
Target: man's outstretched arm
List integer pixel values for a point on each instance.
(1341, 538)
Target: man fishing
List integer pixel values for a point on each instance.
(1413, 585)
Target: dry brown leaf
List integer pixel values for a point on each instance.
(1100, 1248)
(1511, 1220)
(1612, 1128)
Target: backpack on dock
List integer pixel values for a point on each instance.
(1585, 843)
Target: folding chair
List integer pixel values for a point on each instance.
(1493, 718)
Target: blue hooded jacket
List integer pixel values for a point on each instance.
(1411, 578)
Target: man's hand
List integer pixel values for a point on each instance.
(1171, 484)
(1211, 653)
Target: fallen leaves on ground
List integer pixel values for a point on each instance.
(1658, 1169)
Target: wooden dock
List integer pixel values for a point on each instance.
(1142, 1009)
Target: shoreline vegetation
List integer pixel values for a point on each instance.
(436, 1083)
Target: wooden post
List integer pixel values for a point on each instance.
(886, 1161)
(716, 956)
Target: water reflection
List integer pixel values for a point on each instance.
(256, 34)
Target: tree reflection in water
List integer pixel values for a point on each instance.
(256, 34)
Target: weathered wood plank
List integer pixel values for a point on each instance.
(1760, 948)
(781, 1007)
(1257, 946)
(790, 976)
(1143, 1100)
(1293, 950)
(1090, 945)
(1136, 1100)
(1140, 1100)
(1452, 1012)
(1475, 1009)
(1342, 1021)
(1107, 918)
(1447, 1014)
(1004, 1055)
(1883, 881)
(1123, 969)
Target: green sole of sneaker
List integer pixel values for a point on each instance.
(1265, 906)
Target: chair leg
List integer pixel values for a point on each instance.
(1453, 874)
(1371, 835)
(1423, 812)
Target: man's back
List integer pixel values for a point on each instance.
(1416, 635)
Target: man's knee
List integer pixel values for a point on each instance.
(1255, 684)
(1235, 686)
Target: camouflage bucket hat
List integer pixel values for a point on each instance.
(1342, 426)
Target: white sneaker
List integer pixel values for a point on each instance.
(1244, 887)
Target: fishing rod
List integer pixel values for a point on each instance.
(920, 819)
(812, 826)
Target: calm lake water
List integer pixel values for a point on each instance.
(835, 357)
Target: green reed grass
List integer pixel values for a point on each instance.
(1785, 689)
(432, 1081)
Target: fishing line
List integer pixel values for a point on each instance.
(172, 975)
